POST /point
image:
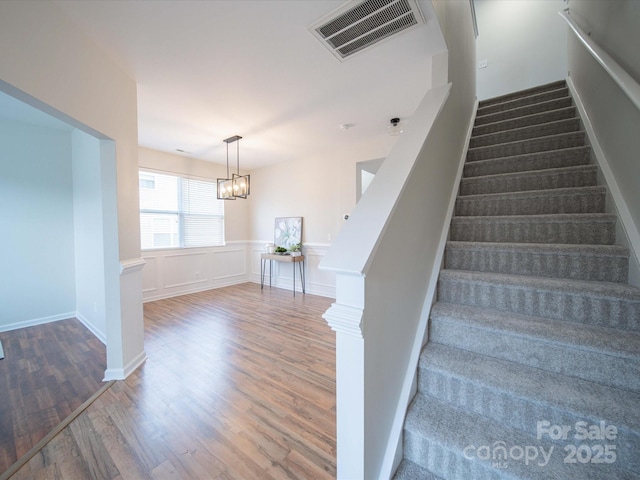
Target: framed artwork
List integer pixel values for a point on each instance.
(287, 232)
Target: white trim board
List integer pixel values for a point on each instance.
(1, 351)
(37, 321)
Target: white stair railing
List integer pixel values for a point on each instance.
(625, 81)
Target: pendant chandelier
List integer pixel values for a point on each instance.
(238, 186)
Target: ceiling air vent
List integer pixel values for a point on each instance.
(358, 25)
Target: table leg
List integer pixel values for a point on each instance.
(301, 268)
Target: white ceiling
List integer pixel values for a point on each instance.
(210, 69)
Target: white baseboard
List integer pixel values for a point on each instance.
(37, 321)
(123, 373)
(237, 281)
(98, 334)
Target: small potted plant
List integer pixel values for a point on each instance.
(280, 250)
(296, 250)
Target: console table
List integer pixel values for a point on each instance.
(272, 257)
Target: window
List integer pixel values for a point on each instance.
(177, 212)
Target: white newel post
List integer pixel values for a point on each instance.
(345, 318)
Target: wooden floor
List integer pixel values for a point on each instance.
(239, 384)
(48, 371)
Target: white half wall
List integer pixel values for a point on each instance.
(524, 43)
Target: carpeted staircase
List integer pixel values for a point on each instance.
(535, 328)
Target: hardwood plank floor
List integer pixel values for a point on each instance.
(48, 371)
(239, 384)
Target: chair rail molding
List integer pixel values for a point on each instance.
(131, 265)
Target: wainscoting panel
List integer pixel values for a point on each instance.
(318, 282)
(185, 268)
(169, 273)
(323, 282)
(226, 264)
(150, 274)
(180, 271)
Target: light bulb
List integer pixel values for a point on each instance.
(395, 127)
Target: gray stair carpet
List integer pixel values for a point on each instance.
(532, 365)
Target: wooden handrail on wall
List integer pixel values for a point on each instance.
(625, 81)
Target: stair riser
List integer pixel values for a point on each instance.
(410, 471)
(530, 205)
(577, 307)
(534, 352)
(579, 177)
(446, 463)
(554, 128)
(575, 267)
(524, 101)
(523, 93)
(523, 111)
(525, 163)
(517, 412)
(445, 448)
(529, 120)
(544, 144)
(535, 231)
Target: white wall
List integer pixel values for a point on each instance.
(319, 189)
(37, 243)
(614, 27)
(50, 63)
(524, 43)
(88, 234)
(614, 119)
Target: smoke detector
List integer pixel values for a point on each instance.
(358, 25)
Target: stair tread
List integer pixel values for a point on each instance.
(527, 140)
(597, 262)
(540, 126)
(605, 340)
(524, 93)
(530, 173)
(548, 217)
(580, 397)
(589, 199)
(461, 432)
(544, 248)
(545, 143)
(523, 100)
(591, 288)
(593, 189)
(515, 162)
(531, 119)
(523, 110)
